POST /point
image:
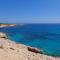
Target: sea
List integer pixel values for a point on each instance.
(42, 36)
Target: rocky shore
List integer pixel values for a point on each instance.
(10, 50)
(6, 25)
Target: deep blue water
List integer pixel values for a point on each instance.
(42, 36)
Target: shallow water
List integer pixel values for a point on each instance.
(42, 36)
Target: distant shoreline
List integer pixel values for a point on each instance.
(6, 25)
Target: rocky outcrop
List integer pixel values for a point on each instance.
(2, 35)
(35, 50)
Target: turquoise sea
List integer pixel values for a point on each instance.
(42, 36)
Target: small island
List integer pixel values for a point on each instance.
(6, 25)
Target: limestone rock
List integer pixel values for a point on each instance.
(2, 35)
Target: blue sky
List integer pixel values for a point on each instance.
(30, 11)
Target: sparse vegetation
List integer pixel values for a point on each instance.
(12, 48)
(1, 47)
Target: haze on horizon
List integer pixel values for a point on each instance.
(30, 11)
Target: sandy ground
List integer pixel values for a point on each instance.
(10, 50)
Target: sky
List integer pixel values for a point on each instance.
(30, 11)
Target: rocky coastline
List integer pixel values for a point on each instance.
(10, 50)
